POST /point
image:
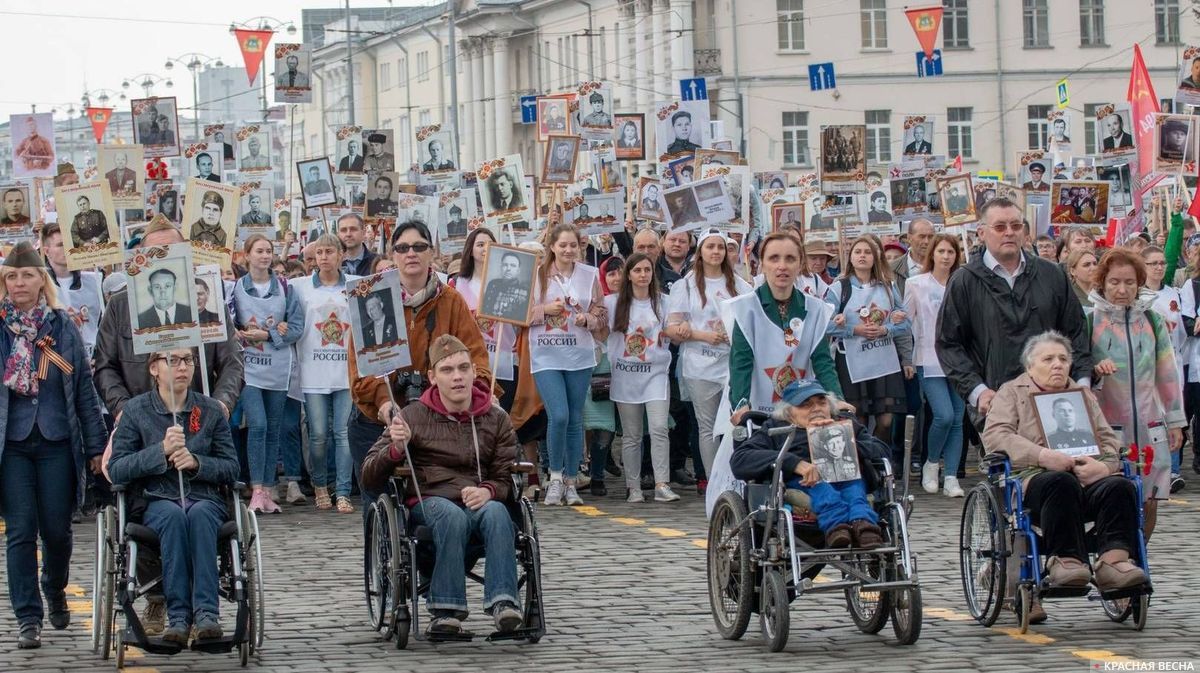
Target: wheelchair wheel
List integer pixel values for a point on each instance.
(104, 586)
(906, 608)
(868, 609)
(773, 613)
(1139, 605)
(533, 574)
(384, 577)
(1118, 609)
(1023, 607)
(375, 597)
(244, 653)
(730, 575)
(252, 567)
(982, 554)
(119, 643)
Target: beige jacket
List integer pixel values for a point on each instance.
(1012, 426)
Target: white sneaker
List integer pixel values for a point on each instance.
(294, 495)
(951, 488)
(929, 477)
(635, 495)
(554, 493)
(664, 494)
(572, 496)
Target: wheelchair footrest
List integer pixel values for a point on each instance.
(1116, 594)
(516, 634)
(214, 645)
(1062, 592)
(440, 637)
(152, 645)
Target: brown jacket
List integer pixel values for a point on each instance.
(1012, 426)
(443, 454)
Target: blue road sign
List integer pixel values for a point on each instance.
(820, 76)
(693, 89)
(929, 67)
(528, 109)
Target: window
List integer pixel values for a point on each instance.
(402, 72)
(874, 23)
(422, 66)
(795, 139)
(385, 75)
(790, 21)
(1091, 23)
(954, 24)
(958, 132)
(879, 136)
(1039, 126)
(426, 118)
(404, 136)
(1037, 23)
(1089, 127)
(1166, 21)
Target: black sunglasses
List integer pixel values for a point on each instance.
(403, 248)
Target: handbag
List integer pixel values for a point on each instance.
(601, 387)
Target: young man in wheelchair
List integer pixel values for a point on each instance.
(843, 512)
(462, 447)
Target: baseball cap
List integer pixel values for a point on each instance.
(798, 392)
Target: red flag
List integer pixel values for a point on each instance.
(253, 44)
(99, 116)
(925, 23)
(1143, 104)
(1194, 206)
(957, 163)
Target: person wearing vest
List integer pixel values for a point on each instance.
(640, 360)
(567, 311)
(52, 431)
(322, 351)
(78, 291)
(268, 320)
(694, 320)
(869, 319)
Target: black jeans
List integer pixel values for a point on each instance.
(1060, 506)
(362, 434)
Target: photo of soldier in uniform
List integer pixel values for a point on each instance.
(154, 124)
(255, 208)
(552, 117)
(381, 157)
(210, 220)
(958, 200)
(14, 205)
(317, 180)
(559, 162)
(32, 144)
(595, 110)
(254, 153)
(843, 159)
(1066, 423)
(382, 200)
(507, 284)
(833, 452)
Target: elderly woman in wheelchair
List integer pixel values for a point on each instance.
(1062, 492)
(179, 470)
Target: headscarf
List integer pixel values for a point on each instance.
(606, 266)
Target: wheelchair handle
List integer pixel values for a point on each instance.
(782, 430)
(523, 467)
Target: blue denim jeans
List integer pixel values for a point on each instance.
(563, 394)
(187, 540)
(946, 429)
(38, 491)
(453, 525)
(322, 407)
(264, 411)
(839, 503)
(289, 440)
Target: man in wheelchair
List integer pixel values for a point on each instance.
(150, 448)
(462, 447)
(843, 512)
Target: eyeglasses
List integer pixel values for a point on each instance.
(172, 361)
(403, 248)
(1014, 227)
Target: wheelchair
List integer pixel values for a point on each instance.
(116, 586)
(399, 560)
(765, 550)
(999, 559)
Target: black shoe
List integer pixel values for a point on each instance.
(682, 478)
(1177, 485)
(597, 487)
(30, 638)
(612, 468)
(647, 482)
(60, 614)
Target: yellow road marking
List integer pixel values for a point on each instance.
(80, 605)
(821, 579)
(1029, 637)
(628, 521)
(703, 544)
(140, 669)
(948, 614)
(1099, 655)
(668, 532)
(588, 510)
(75, 590)
(1178, 501)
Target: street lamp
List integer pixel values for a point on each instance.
(263, 23)
(193, 62)
(147, 82)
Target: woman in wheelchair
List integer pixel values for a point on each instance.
(149, 447)
(462, 447)
(842, 510)
(1063, 493)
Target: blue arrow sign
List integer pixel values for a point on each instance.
(820, 76)
(931, 66)
(528, 109)
(693, 89)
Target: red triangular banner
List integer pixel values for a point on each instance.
(1143, 103)
(925, 23)
(253, 44)
(99, 116)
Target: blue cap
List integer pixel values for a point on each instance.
(798, 392)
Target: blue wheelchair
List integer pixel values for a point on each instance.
(999, 556)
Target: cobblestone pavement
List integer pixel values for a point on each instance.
(625, 591)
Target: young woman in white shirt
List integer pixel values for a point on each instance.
(1169, 305)
(923, 295)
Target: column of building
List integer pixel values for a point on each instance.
(638, 78)
(469, 123)
(682, 52)
(479, 151)
(661, 43)
(503, 94)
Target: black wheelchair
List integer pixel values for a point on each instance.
(117, 587)
(400, 558)
(765, 550)
(999, 560)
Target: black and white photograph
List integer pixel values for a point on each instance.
(908, 195)
(595, 111)
(957, 198)
(380, 146)
(682, 170)
(507, 292)
(595, 214)
(349, 154)
(316, 182)
(163, 198)
(1188, 91)
(834, 452)
(220, 137)
(737, 185)
(436, 149)
(681, 127)
(14, 210)
(455, 209)
(771, 180)
(33, 152)
(1033, 175)
(156, 126)
(210, 303)
(986, 190)
(1114, 134)
(629, 136)
(701, 203)
(558, 167)
(293, 70)
(876, 208)
(253, 149)
(502, 192)
(417, 208)
(122, 167)
(787, 215)
(1174, 142)
(88, 220)
(254, 211)
(203, 163)
(649, 206)
(352, 190)
(1120, 187)
(918, 135)
(1066, 423)
(162, 298)
(843, 159)
(377, 323)
(210, 217)
(552, 116)
(1058, 140)
(381, 196)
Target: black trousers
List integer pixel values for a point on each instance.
(1060, 506)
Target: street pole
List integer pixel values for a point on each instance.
(349, 68)
(196, 104)
(453, 84)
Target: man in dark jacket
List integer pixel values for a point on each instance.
(462, 449)
(999, 300)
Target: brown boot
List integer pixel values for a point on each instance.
(866, 534)
(838, 537)
(1119, 575)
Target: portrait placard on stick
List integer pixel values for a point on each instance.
(210, 304)
(154, 124)
(595, 111)
(681, 127)
(210, 220)
(293, 63)
(254, 148)
(123, 168)
(377, 320)
(32, 137)
(91, 235)
(502, 193)
(958, 200)
(507, 292)
(220, 137)
(843, 159)
(15, 203)
(162, 298)
(630, 136)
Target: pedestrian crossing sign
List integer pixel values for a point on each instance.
(1063, 98)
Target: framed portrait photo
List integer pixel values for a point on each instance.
(220, 137)
(552, 116)
(843, 158)
(382, 198)
(14, 209)
(210, 304)
(316, 179)
(33, 153)
(918, 135)
(1113, 135)
(507, 292)
(629, 136)
(253, 148)
(88, 220)
(558, 167)
(122, 167)
(1066, 422)
(648, 205)
(162, 298)
(787, 215)
(155, 126)
(834, 452)
(436, 145)
(293, 67)
(958, 200)
(210, 217)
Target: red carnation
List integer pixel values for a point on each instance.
(194, 420)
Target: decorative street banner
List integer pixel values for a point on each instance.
(99, 117)
(162, 298)
(253, 44)
(377, 321)
(925, 23)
